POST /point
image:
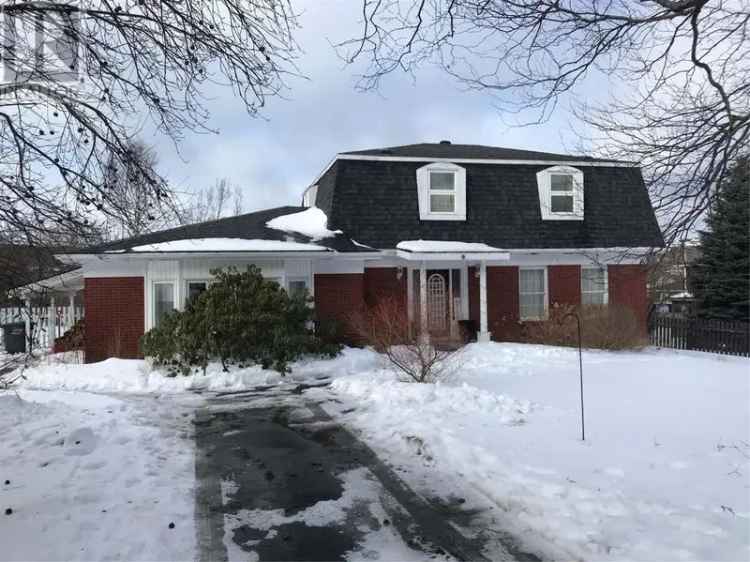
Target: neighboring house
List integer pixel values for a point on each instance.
(671, 279)
(456, 232)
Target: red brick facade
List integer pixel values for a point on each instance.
(564, 284)
(115, 305)
(627, 287)
(384, 282)
(337, 297)
(114, 317)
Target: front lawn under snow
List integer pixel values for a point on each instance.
(92, 477)
(664, 473)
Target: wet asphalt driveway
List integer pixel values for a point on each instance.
(279, 480)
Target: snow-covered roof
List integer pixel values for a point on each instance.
(443, 246)
(311, 222)
(228, 245)
(258, 231)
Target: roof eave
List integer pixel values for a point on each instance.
(503, 161)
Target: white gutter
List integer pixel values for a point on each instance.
(116, 256)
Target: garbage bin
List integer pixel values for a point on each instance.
(14, 337)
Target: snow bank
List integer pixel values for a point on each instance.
(91, 477)
(433, 400)
(663, 474)
(311, 222)
(442, 246)
(138, 376)
(228, 245)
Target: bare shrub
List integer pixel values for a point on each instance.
(602, 327)
(386, 327)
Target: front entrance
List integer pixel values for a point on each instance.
(445, 302)
(438, 304)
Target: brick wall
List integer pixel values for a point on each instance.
(627, 287)
(564, 284)
(383, 282)
(114, 317)
(502, 301)
(337, 297)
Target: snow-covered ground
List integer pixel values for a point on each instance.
(96, 461)
(664, 473)
(92, 477)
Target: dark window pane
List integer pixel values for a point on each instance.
(195, 288)
(297, 287)
(562, 203)
(559, 182)
(441, 180)
(442, 203)
(163, 300)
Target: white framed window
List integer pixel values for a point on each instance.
(194, 288)
(532, 289)
(163, 300)
(560, 193)
(594, 285)
(441, 191)
(296, 285)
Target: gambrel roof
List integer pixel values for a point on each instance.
(448, 150)
(371, 195)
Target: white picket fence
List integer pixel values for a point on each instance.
(46, 322)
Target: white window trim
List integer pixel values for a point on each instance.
(459, 192)
(186, 286)
(310, 196)
(291, 279)
(545, 314)
(606, 282)
(544, 185)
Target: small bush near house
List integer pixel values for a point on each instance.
(386, 327)
(73, 339)
(602, 327)
(241, 318)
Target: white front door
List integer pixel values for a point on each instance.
(437, 302)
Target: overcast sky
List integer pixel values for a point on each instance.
(274, 158)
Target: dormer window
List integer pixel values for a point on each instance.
(442, 192)
(560, 193)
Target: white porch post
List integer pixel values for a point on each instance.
(51, 323)
(71, 310)
(484, 334)
(424, 333)
(410, 295)
(27, 321)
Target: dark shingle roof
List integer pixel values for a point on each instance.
(249, 226)
(375, 203)
(470, 151)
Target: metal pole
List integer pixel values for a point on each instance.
(580, 368)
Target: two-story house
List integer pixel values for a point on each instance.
(457, 232)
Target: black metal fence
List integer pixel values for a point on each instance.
(717, 336)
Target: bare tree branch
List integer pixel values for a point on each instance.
(64, 117)
(676, 69)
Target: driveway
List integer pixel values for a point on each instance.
(278, 479)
